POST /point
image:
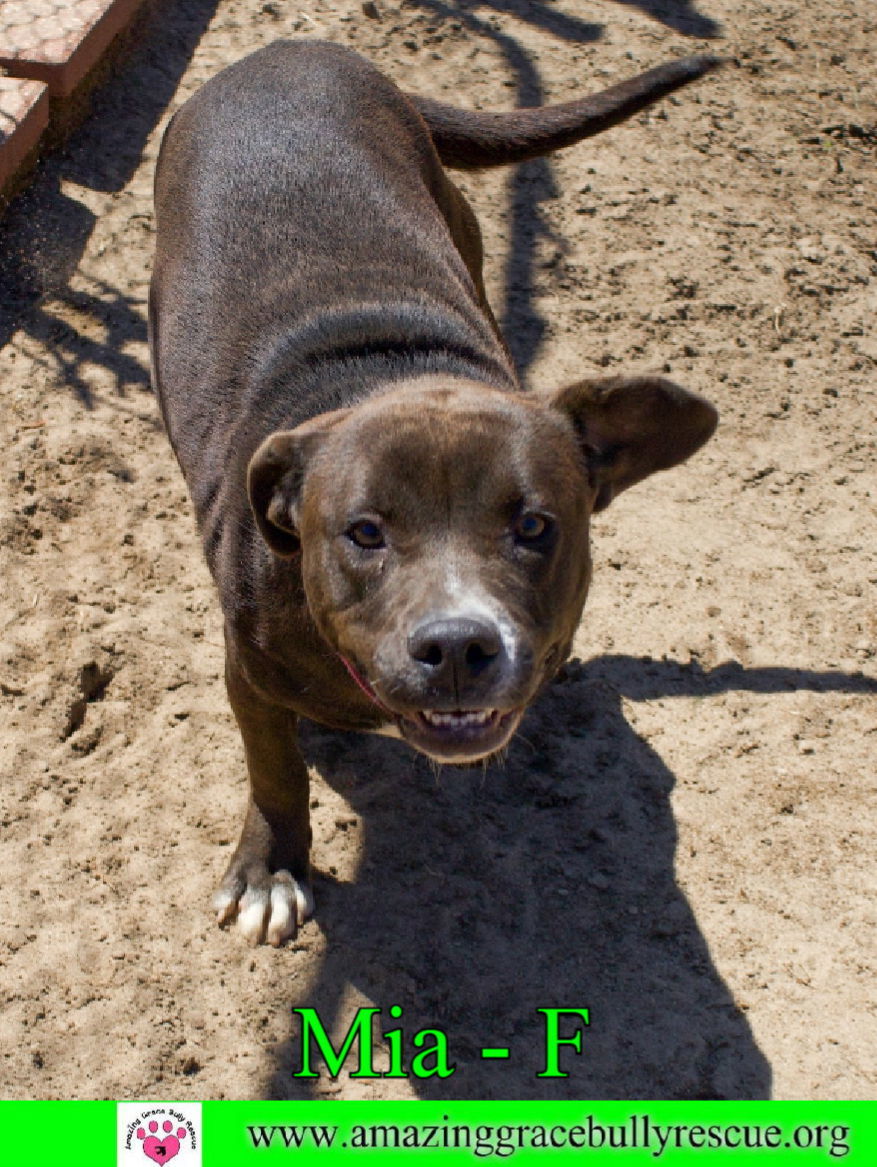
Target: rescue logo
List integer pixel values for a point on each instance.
(161, 1132)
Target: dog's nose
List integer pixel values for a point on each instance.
(455, 648)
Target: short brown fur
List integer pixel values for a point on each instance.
(399, 534)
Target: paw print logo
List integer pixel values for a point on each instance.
(161, 1150)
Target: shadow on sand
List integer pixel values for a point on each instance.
(548, 882)
(46, 229)
(533, 183)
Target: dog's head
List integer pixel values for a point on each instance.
(443, 534)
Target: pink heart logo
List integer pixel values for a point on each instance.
(161, 1150)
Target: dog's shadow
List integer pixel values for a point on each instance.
(547, 882)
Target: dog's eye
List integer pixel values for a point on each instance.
(366, 534)
(529, 527)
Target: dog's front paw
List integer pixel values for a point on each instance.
(269, 907)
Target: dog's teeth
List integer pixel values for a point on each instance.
(459, 719)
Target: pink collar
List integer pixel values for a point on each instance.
(363, 684)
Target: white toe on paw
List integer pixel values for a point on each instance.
(225, 905)
(291, 904)
(269, 912)
(304, 902)
(251, 918)
(282, 922)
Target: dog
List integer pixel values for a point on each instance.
(397, 531)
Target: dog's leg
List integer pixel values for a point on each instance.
(267, 882)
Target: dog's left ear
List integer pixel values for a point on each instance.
(629, 427)
(276, 475)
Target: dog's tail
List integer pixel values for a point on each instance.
(468, 139)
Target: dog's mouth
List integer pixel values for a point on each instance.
(459, 735)
(447, 735)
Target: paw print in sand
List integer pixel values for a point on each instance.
(161, 1150)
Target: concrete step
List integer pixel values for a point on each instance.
(47, 49)
(59, 41)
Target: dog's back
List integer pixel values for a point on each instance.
(304, 142)
(301, 143)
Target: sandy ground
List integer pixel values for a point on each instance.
(682, 838)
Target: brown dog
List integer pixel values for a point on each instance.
(398, 533)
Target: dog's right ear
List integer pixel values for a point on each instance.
(275, 477)
(629, 427)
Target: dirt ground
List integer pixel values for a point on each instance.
(682, 838)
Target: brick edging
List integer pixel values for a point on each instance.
(47, 50)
